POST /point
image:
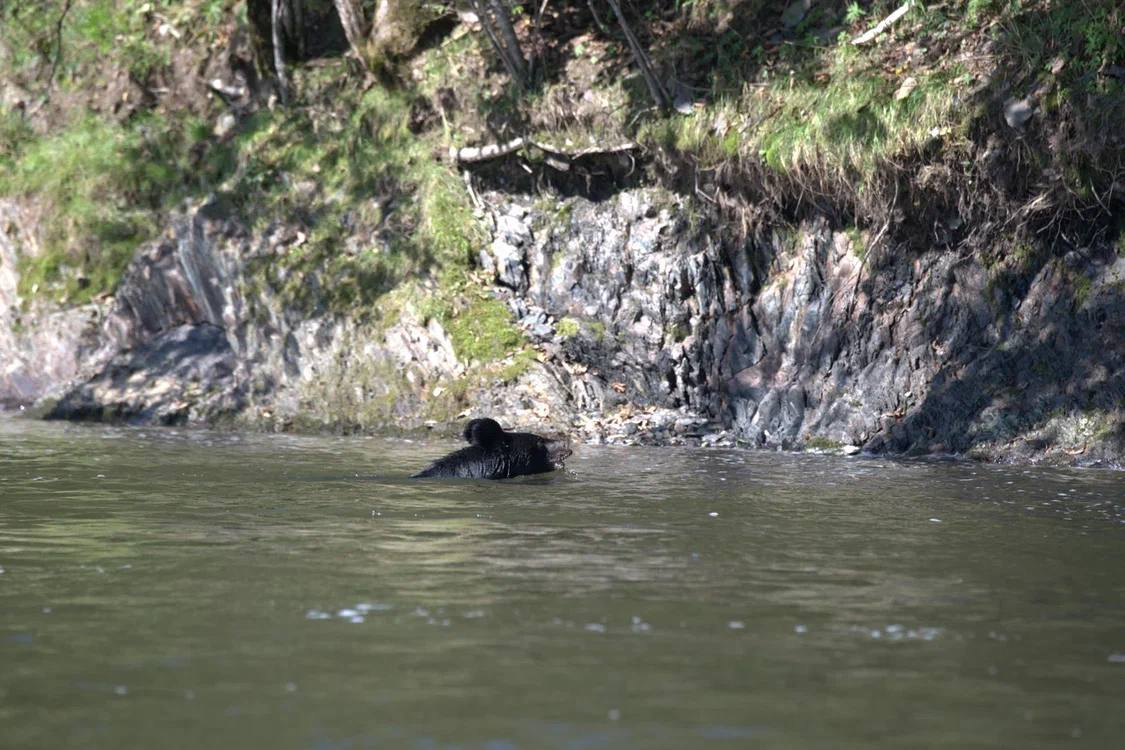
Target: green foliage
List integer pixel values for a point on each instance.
(1085, 36)
(101, 183)
(514, 366)
(355, 176)
(480, 326)
(84, 35)
(851, 123)
(1081, 285)
(855, 237)
(819, 443)
(567, 328)
(15, 133)
(977, 10)
(841, 128)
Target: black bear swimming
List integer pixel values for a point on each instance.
(496, 454)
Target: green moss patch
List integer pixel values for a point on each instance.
(101, 185)
(480, 326)
(567, 328)
(819, 443)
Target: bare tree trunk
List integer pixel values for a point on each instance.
(537, 37)
(508, 34)
(297, 10)
(277, 10)
(392, 31)
(659, 95)
(384, 18)
(351, 18)
(497, 25)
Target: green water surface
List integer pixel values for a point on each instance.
(177, 589)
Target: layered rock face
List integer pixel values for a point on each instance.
(795, 339)
(192, 336)
(652, 324)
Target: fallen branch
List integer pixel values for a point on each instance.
(883, 25)
(472, 154)
(574, 154)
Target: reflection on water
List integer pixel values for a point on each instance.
(168, 588)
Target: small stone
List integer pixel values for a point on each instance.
(906, 87)
(224, 125)
(509, 264)
(685, 425)
(850, 450)
(795, 13)
(1017, 113)
(486, 262)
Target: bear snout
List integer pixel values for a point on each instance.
(558, 451)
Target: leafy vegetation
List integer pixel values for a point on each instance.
(100, 183)
(479, 325)
(819, 443)
(107, 182)
(350, 159)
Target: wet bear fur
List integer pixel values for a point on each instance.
(495, 454)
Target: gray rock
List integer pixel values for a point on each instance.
(795, 12)
(189, 368)
(225, 125)
(1017, 113)
(508, 263)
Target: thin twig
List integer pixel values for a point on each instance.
(58, 43)
(598, 19)
(469, 186)
(487, 22)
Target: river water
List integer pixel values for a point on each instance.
(172, 589)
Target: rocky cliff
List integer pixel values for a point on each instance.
(648, 323)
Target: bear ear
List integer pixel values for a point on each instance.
(483, 432)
